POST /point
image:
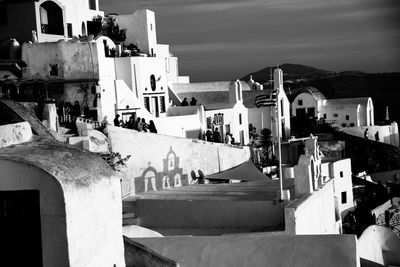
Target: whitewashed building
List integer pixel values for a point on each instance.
(348, 112)
(52, 20)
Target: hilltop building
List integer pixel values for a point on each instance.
(47, 20)
(353, 112)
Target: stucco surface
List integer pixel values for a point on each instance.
(246, 250)
(16, 133)
(66, 163)
(151, 152)
(379, 244)
(24, 114)
(74, 60)
(313, 213)
(91, 193)
(388, 134)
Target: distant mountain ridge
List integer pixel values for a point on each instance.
(291, 71)
(384, 88)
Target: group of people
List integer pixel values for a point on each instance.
(139, 124)
(216, 137)
(185, 102)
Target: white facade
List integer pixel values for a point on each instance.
(306, 104)
(345, 112)
(140, 30)
(267, 117)
(348, 111)
(50, 20)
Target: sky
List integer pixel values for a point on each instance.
(227, 39)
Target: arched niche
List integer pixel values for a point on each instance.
(51, 18)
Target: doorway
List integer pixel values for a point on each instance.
(154, 106)
(20, 228)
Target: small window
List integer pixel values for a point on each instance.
(344, 197)
(151, 26)
(69, 30)
(335, 115)
(240, 119)
(53, 69)
(325, 116)
(3, 16)
(153, 82)
(92, 5)
(300, 102)
(347, 117)
(341, 174)
(282, 113)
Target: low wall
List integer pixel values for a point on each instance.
(246, 250)
(388, 134)
(313, 213)
(370, 156)
(207, 213)
(158, 161)
(16, 133)
(391, 176)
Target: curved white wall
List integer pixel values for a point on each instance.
(19, 176)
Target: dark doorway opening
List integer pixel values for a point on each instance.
(20, 228)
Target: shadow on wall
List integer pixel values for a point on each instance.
(370, 156)
(170, 176)
(139, 255)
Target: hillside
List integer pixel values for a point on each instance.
(382, 87)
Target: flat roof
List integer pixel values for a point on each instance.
(245, 191)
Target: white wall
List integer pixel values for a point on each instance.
(313, 213)
(141, 29)
(75, 60)
(308, 102)
(341, 172)
(78, 12)
(388, 134)
(18, 176)
(353, 111)
(151, 150)
(16, 133)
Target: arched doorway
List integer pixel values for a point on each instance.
(51, 18)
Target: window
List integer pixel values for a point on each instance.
(347, 117)
(3, 16)
(335, 115)
(92, 5)
(162, 104)
(240, 119)
(300, 102)
(147, 103)
(344, 197)
(151, 26)
(53, 69)
(282, 113)
(153, 82)
(341, 174)
(324, 116)
(69, 30)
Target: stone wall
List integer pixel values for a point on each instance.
(368, 155)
